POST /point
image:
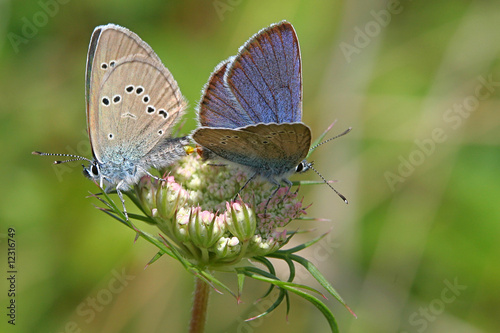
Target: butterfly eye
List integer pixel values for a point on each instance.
(94, 169)
(303, 166)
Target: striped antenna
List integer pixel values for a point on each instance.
(326, 181)
(335, 137)
(74, 157)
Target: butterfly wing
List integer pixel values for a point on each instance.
(218, 106)
(265, 77)
(108, 44)
(269, 149)
(138, 103)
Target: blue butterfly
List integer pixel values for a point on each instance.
(251, 110)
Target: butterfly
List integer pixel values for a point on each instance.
(133, 103)
(250, 113)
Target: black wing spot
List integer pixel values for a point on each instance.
(139, 90)
(163, 113)
(105, 101)
(150, 109)
(145, 99)
(117, 99)
(129, 88)
(104, 66)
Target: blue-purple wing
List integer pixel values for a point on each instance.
(265, 77)
(218, 106)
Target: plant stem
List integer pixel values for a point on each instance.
(200, 306)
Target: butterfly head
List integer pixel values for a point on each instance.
(93, 171)
(303, 166)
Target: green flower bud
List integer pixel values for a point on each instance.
(205, 228)
(146, 191)
(180, 228)
(261, 247)
(240, 220)
(169, 198)
(227, 248)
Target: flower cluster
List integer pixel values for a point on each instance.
(194, 208)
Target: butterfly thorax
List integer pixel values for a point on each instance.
(115, 175)
(120, 168)
(282, 171)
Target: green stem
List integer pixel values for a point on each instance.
(200, 306)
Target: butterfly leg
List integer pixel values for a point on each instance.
(278, 186)
(245, 185)
(289, 185)
(120, 195)
(151, 175)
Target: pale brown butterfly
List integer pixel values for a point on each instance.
(133, 103)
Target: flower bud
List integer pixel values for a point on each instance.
(180, 228)
(227, 248)
(260, 247)
(169, 198)
(205, 228)
(145, 191)
(240, 220)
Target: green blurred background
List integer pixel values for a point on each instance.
(416, 250)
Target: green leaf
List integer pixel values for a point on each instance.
(241, 280)
(156, 257)
(299, 247)
(321, 279)
(318, 304)
(270, 267)
(258, 274)
(273, 306)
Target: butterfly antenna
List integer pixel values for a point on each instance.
(335, 137)
(75, 157)
(327, 183)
